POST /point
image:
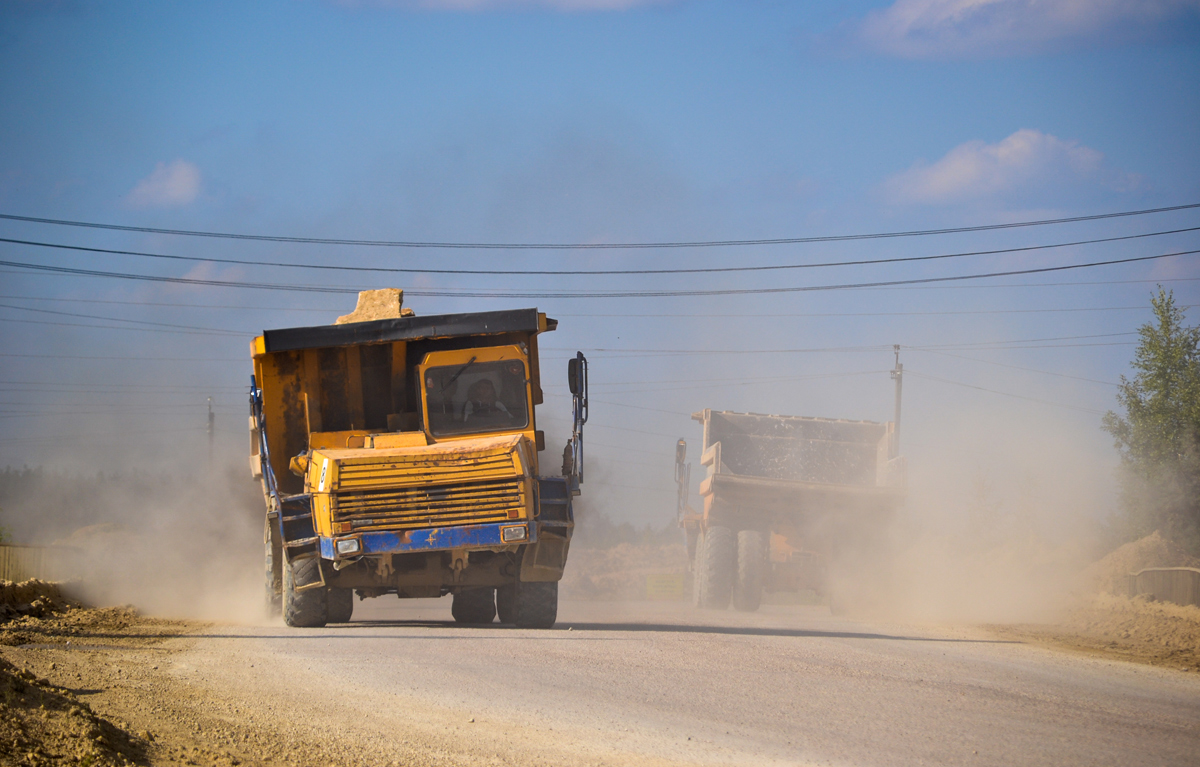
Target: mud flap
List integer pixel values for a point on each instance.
(312, 579)
(544, 561)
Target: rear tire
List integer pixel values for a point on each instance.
(308, 608)
(474, 606)
(340, 605)
(751, 567)
(717, 564)
(506, 603)
(536, 605)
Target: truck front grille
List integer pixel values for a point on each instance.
(409, 508)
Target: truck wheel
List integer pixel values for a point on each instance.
(717, 567)
(340, 605)
(506, 603)
(308, 608)
(474, 606)
(751, 564)
(536, 605)
(272, 588)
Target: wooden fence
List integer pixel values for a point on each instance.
(47, 563)
(1180, 585)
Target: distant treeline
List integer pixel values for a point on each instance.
(1158, 430)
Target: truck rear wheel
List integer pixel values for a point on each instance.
(474, 606)
(718, 558)
(536, 605)
(340, 605)
(506, 603)
(308, 608)
(751, 566)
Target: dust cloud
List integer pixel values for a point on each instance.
(174, 544)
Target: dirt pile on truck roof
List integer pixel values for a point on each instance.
(385, 304)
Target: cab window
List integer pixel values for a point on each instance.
(476, 397)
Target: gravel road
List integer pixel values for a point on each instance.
(660, 683)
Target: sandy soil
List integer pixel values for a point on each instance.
(1135, 630)
(110, 687)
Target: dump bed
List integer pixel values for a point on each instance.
(781, 463)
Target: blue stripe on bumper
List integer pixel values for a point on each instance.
(430, 539)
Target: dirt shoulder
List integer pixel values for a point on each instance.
(1155, 633)
(97, 687)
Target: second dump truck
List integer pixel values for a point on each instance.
(782, 497)
(400, 455)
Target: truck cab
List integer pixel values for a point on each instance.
(402, 456)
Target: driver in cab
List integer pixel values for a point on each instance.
(482, 406)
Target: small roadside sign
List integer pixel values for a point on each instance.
(664, 586)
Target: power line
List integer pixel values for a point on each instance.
(706, 315)
(875, 347)
(175, 305)
(587, 272)
(591, 245)
(795, 289)
(1014, 367)
(119, 319)
(130, 359)
(180, 280)
(672, 315)
(117, 327)
(917, 284)
(1004, 393)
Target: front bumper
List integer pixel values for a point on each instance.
(430, 539)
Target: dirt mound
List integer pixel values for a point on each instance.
(32, 597)
(1158, 633)
(619, 572)
(43, 724)
(1108, 575)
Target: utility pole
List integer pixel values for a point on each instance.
(898, 377)
(210, 435)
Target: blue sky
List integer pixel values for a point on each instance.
(599, 121)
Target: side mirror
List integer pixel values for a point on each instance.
(573, 381)
(681, 451)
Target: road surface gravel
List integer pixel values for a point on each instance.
(612, 684)
(660, 682)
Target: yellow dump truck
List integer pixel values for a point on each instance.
(783, 498)
(401, 456)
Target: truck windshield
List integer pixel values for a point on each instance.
(480, 397)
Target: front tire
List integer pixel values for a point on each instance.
(751, 566)
(536, 605)
(308, 608)
(474, 606)
(718, 557)
(340, 605)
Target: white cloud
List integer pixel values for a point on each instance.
(1026, 163)
(975, 28)
(489, 5)
(171, 185)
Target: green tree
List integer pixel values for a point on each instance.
(1159, 434)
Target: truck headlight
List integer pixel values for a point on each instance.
(514, 533)
(347, 546)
